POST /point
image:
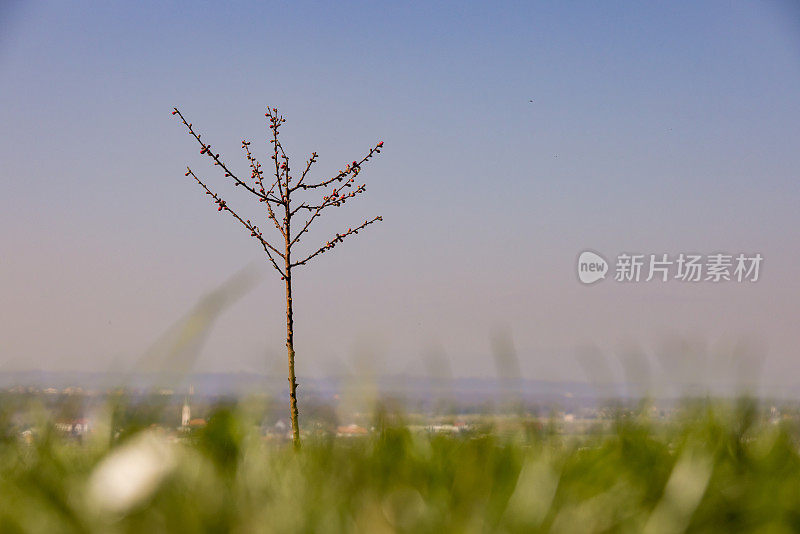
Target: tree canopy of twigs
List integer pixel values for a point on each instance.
(292, 203)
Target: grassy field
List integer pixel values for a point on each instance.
(711, 468)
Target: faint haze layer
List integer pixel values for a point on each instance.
(517, 135)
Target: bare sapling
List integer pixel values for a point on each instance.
(292, 204)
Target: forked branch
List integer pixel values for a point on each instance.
(206, 150)
(254, 230)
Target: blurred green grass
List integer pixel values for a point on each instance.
(714, 467)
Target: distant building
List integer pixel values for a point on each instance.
(26, 436)
(351, 430)
(76, 427)
(447, 429)
(197, 423)
(278, 430)
(186, 413)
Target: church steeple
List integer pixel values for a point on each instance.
(186, 412)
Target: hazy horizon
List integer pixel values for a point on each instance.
(652, 129)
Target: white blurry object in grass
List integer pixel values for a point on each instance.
(682, 495)
(130, 473)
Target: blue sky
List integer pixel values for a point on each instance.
(657, 127)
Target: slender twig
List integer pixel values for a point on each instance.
(338, 239)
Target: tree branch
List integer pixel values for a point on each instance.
(206, 150)
(274, 124)
(309, 163)
(254, 231)
(338, 239)
(334, 199)
(352, 168)
(258, 176)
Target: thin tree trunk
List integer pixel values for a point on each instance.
(290, 346)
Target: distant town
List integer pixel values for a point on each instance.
(331, 407)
